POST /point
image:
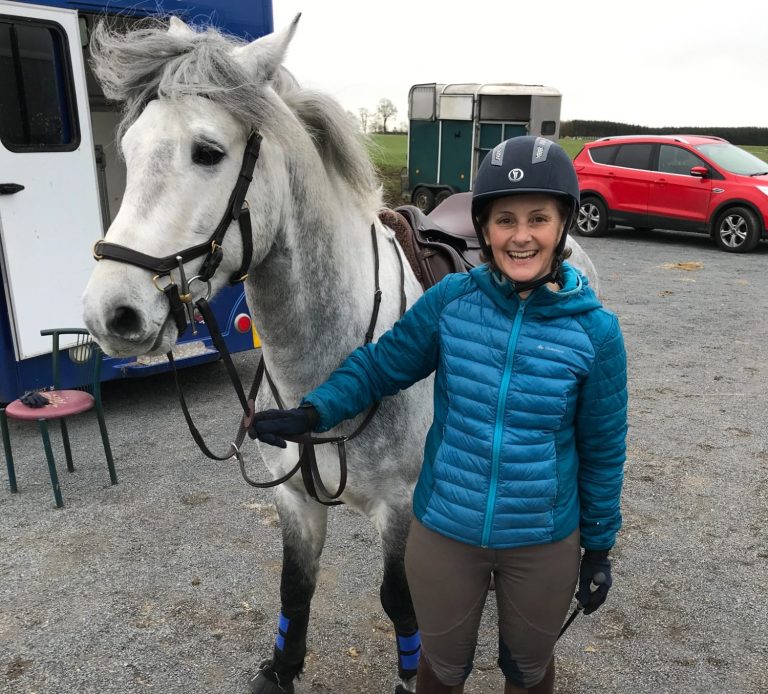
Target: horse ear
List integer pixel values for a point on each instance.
(262, 57)
(177, 27)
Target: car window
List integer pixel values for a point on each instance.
(634, 156)
(603, 155)
(734, 159)
(676, 160)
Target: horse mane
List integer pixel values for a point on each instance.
(148, 61)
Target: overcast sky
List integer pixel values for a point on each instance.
(651, 62)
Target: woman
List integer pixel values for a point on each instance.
(523, 464)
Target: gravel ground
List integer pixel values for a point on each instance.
(169, 581)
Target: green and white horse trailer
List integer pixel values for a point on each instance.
(453, 126)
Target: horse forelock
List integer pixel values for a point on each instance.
(137, 66)
(146, 62)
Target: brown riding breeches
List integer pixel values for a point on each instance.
(449, 584)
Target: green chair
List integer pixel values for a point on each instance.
(85, 360)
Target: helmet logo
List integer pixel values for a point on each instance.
(516, 175)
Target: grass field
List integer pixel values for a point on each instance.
(388, 153)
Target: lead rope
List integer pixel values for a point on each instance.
(307, 462)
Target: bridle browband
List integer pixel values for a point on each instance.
(180, 299)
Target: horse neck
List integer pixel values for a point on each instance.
(312, 296)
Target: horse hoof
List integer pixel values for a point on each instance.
(266, 681)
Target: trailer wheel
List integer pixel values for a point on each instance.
(424, 199)
(442, 196)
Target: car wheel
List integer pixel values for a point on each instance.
(737, 230)
(592, 219)
(442, 196)
(424, 199)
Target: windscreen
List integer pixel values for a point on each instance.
(734, 159)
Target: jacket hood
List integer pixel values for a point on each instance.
(575, 296)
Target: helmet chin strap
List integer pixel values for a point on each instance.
(520, 287)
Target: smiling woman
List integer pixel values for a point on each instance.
(523, 232)
(528, 208)
(524, 458)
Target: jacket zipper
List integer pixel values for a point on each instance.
(498, 431)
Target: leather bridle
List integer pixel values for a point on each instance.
(179, 296)
(180, 300)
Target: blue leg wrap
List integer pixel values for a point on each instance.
(408, 652)
(283, 623)
(290, 645)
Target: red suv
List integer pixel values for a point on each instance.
(681, 182)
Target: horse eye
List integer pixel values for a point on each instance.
(206, 154)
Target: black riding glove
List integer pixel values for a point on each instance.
(594, 563)
(272, 426)
(34, 399)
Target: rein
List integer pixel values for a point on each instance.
(180, 300)
(307, 462)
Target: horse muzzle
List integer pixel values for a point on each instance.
(128, 326)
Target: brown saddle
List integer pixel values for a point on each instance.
(437, 244)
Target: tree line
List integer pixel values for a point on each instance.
(604, 128)
(376, 121)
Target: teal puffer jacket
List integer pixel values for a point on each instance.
(529, 430)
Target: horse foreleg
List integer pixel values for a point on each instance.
(304, 524)
(393, 523)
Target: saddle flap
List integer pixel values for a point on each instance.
(454, 217)
(439, 243)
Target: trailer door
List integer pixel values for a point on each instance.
(49, 203)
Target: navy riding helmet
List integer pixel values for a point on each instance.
(526, 164)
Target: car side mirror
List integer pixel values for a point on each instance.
(700, 171)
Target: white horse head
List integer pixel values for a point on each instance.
(191, 101)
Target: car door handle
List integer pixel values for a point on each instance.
(661, 181)
(10, 188)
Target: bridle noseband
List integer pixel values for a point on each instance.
(180, 299)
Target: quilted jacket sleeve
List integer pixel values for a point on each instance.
(405, 354)
(601, 432)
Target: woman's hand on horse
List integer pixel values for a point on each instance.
(275, 426)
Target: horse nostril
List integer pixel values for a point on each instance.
(125, 322)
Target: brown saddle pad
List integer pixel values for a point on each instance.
(439, 243)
